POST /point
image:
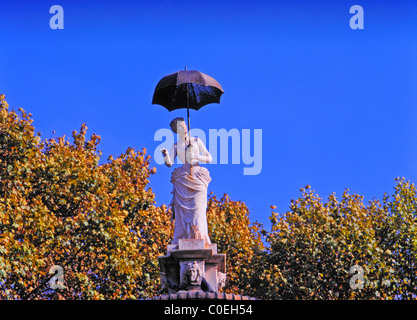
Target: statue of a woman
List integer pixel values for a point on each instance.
(190, 182)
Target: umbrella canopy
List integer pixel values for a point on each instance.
(171, 90)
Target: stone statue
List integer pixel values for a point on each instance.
(190, 182)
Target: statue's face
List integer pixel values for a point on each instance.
(193, 274)
(181, 128)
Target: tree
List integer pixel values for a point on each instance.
(230, 227)
(341, 249)
(398, 238)
(58, 206)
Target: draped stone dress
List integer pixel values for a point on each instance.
(189, 202)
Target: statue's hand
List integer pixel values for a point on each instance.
(191, 157)
(164, 152)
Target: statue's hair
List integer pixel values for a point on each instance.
(173, 123)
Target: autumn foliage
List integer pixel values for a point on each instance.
(315, 248)
(241, 240)
(59, 206)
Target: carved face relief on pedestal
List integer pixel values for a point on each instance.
(193, 274)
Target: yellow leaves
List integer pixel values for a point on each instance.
(154, 246)
(315, 243)
(58, 206)
(230, 227)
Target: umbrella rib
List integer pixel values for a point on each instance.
(173, 96)
(195, 96)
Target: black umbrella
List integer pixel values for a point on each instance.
(187, 89)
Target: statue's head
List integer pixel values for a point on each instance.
(193, 273)
(178, 125)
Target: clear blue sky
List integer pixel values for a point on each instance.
(338, 107)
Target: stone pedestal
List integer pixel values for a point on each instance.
(192, 265)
